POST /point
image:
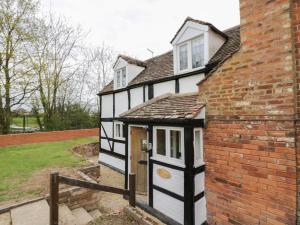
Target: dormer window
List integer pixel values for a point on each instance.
(121, 78)
(198, 52)
(191, 54)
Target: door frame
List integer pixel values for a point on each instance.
(129, 153)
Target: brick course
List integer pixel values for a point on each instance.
(29, 138)
(250, 141)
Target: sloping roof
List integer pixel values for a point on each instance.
(199, 22)
(168, 106)
(162, 66)
(131, 60)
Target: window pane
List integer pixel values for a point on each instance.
(183, 57)
(118, 79)
(118, 130)
(198, 53)
(198, 150)
(161, 142)
(175, 144)
(123, 77)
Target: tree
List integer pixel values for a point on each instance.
(55, 54)
(16, 18)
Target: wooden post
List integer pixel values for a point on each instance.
(54, 186)
(132, 190)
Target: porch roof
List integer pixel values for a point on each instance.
(167, 107)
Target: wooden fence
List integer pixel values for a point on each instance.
(55, 179)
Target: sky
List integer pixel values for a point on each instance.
(133, 26)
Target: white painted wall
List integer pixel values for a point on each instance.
(163, 88)
(105, 144)
(115, 162)
(136, 96)
(169, 206)
(199, 183)
(215, 41)
(174, 184)
(200, 211)
(107, 106)
(189, 84)
(121, 103)
(133, 71)
(108, 126)
(119, 148)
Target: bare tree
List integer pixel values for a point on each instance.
(16, 17)
(55, 62)
(102, 59)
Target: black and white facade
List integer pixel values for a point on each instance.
(152, 124)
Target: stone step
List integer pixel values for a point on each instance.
(82, 216)
(95, 213)
(66, 216)
(5, 219)
(36, 213)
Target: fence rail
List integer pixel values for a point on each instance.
(55, 179)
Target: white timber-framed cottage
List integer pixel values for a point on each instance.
(151, 122)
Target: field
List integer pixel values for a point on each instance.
(23, 168)
(30, 122)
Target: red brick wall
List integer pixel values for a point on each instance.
(250, 138)
(18, 139)
(296, 31)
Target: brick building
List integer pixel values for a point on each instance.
(252, 100)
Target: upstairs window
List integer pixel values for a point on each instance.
(121, 79)
(191, 54)
(197, 53)
(183, 57)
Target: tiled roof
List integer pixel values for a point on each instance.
(162, 66)
(133, 61)
(168, 106)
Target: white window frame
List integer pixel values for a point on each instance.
(167, 158)
(190, 60)
(121, 137)
(121, 77)
(200, 161)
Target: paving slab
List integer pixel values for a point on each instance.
(5, 219)
(95, 213)
(36, 213)
(82, 216)
(65, 216)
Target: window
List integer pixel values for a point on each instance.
(191, 54)
(197, 53)
(118, 130)
(175, 144)
(118, 79)
(198, 147)
(168, 144)
(161, 142)
(121, 79)
(183, 57)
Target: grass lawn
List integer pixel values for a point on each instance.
(19, 163)
(30, 122)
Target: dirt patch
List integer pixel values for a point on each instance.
(116, 219)
(87, 150)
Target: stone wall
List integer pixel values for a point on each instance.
(250, 140)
